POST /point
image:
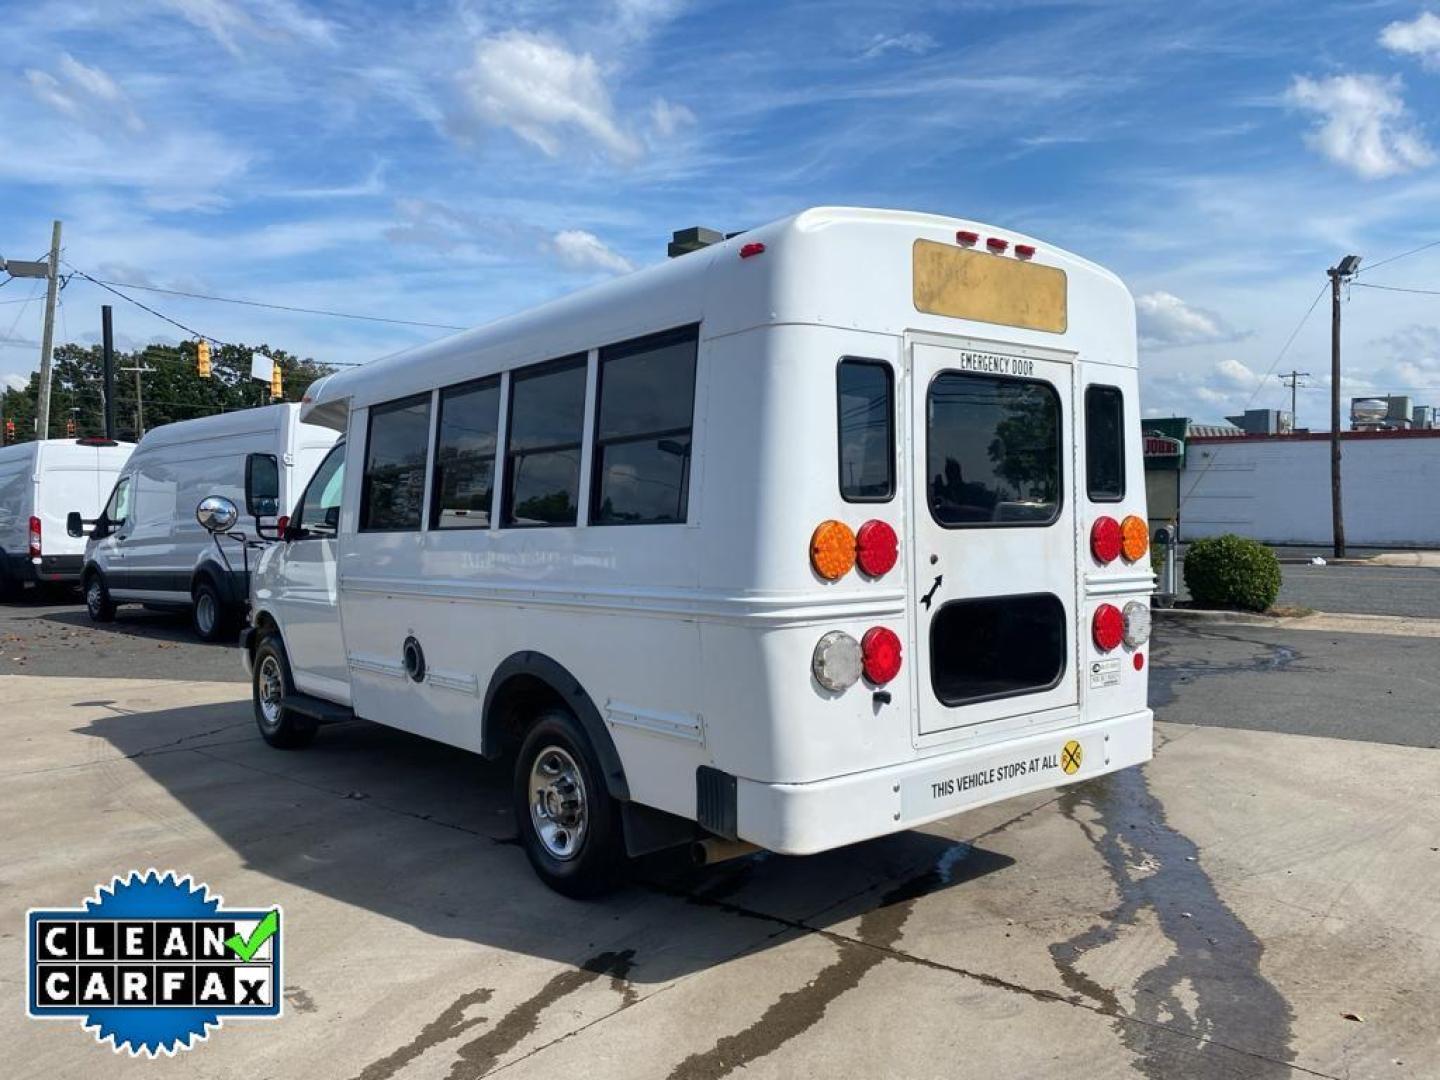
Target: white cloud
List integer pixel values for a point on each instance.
(1166, 321)
(1420, 37)
(227, 21)
(545, 94)
(14, 382)
(582, 250)
(667, 118)
(916, 43)
(1363, 124)
(85, 94)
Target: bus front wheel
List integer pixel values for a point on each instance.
(569, 824)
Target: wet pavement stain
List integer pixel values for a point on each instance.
(797, 1011)
(477, 1057)
(299, 999)
(1166, 676)
(1212, 983)
(447, 1025)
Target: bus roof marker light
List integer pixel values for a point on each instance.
(832, 549)
(754, 248)
(1024, 251)
(997, 245)
(966, 237)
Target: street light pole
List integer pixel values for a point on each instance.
(47, 341)
(1342, 271)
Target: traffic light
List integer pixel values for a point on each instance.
(277, 386)
(202, 358)
(9, 432)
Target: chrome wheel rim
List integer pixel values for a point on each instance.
(94, 597)
(205, 613)
(559, 811)
(270, 689)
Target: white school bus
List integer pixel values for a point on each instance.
(830, 530)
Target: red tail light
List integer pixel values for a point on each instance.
(880, 654)
(876, 548)
(1106, 539)
(1108, 629)
(34, 538)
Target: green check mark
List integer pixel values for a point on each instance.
(246, 948)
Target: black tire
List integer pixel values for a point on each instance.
(97, 599)
(282, 728)
(210, 617)
(9, 587)
(596, 862)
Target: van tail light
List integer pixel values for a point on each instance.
(1134, 538)
(1108, 627)
(832, 549)
(34, 538)
(1105, 539)
(880, 654)
(876, 548)
(836, 662)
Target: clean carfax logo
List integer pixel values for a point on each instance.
(150, 963)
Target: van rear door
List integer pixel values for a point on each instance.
(994, 533)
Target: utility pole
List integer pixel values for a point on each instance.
(1341, 272)
(1292, 379)
(107, 338)
(139, 400)
(47, 342)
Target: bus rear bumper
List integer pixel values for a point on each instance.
(801, 819)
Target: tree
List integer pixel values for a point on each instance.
(171, 389)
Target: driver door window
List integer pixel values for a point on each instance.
(318, 514)
(117, 511)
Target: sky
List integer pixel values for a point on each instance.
(449, 162)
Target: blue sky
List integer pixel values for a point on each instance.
(450, 162)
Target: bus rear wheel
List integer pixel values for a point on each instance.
(569, 824)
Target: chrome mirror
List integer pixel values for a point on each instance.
(217, 513)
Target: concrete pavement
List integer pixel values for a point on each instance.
(1214, 914)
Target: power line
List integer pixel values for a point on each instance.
(1396, 288)
(1396, 258)
(276, 307)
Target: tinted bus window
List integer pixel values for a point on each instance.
(865, 389)
(1105, 443)
(642, 430)
(465, 455)
(542, 460)
(992, 451)
(393, 492)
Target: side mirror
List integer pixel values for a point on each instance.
(262, 485)
(332, 518)
(74, 524)
(217, 514)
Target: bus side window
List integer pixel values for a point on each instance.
(866, 394)
(393, 486)
(1104, 443)
(642, 430)
(542, 453)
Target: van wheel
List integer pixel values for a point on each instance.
(569, 825)
(97, 599)
(280, 727)
(209, 617)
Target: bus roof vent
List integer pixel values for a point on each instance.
(685, 241)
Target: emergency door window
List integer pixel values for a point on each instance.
(542, 459)
(992, 451)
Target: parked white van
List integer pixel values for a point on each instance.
(40, 482)
(830, 530)
(146, 547)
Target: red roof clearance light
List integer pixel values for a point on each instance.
(1108, 629)
(966, 237)
(1106, 539)
(755, 248)
(1025, 251)
(880, 654)
(876, 548)
(997, 245)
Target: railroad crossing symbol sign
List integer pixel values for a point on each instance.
(1071, 757)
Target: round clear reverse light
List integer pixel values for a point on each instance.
(1137, 623)
(837, 661)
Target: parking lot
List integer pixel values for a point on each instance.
(1259, 901)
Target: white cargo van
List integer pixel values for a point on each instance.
(40, 482)
(146, 547)
(830, 530)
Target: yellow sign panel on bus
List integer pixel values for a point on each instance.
(963, 284)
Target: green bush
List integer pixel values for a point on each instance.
(1232, 572)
